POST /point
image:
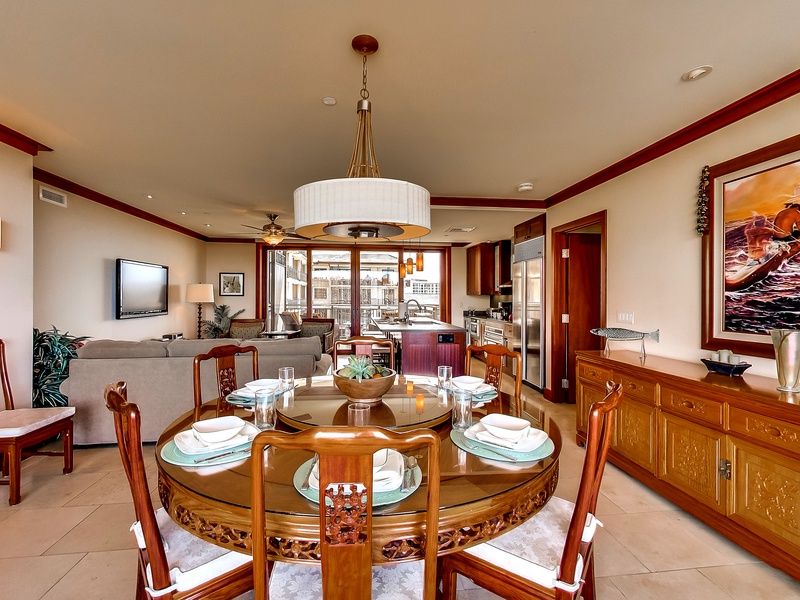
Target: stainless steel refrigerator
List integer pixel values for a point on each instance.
(527, 309)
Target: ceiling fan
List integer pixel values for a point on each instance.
(272, 233)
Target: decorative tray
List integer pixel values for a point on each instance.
(725, 368)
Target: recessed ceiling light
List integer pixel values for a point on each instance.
(525, 187)
(329, 101)
(697, 73)
(208, 224)
(150, 196)
(183, 212)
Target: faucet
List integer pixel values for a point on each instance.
(407, 319)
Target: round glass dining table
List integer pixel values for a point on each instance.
(480, 497)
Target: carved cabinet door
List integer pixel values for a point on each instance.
(690, 459)
(635, 433)
(765, 493)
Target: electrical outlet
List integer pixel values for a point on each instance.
(625, 317)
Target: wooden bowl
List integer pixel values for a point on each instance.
(368, 390)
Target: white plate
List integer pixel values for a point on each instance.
(260, 384)
(505, 426)
(465, 382)
(215, 431)
(384, 479)
(188, 444)
(534, 439)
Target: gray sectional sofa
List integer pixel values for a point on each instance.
(159, 377)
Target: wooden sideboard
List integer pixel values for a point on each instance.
(724, 449)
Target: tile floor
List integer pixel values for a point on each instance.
(69, 537)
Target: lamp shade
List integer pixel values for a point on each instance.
(362, 209)
(200, 292)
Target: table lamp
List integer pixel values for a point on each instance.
(199, 292)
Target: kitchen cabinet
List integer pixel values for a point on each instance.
(725, 449)
(530, 229)
(502, 267)
(480, 270)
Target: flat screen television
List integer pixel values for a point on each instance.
(141, 289)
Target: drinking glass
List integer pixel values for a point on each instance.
(286, 377)
(462, 409)
(445, 375)
(358, 414)
(265, 412)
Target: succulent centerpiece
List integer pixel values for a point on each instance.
(361, 381)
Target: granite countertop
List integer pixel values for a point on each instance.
(491, 321)
(417, 324)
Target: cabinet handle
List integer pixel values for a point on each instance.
(633, 386)
(773, 431)
(687, 404)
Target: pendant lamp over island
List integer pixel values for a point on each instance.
(363, 206)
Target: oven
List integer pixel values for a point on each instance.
(473, 327)
(493, 335)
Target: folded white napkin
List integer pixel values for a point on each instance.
(189, 444)
(385, 478)
(528, 443)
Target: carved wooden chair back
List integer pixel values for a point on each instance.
(22, 429)
(345, 461)
(573, 575)
(225, 365)
(364, 345)
(159, 576)
(494, 355)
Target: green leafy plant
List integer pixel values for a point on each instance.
(221, 324)
(360, 367)
(52, 351)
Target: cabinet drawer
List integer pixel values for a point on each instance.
(702, 409)
(594, 373)
(633, 386)
(776, 433)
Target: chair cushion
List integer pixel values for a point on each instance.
(290, 581)
(17, 422)
(245, 331)
(191, 561)
(533, 550)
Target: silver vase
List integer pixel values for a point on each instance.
(787, 358)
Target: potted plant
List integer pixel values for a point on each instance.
(52, 351)
(361, 381)
(221, 324)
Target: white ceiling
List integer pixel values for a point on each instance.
(215, 108)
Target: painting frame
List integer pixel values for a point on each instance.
(714, 335)
(231, 284)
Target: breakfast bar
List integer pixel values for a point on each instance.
(426, 343)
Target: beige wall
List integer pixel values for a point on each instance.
(654, 260)
(16, 268)
(234, 258)
(74, 263)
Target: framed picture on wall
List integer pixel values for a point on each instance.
(231, 284)
(751, 250)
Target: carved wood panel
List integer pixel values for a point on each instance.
(766, 492)
(586, 396)
(690, 456)
(635, 433)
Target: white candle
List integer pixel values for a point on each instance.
(724, 356)
(735, 359)
(715, 356)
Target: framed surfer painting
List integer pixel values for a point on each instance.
(751, 248)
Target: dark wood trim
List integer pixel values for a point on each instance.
(21, 142)
(765, 97)
(708, 339)
(79, 190)
(558, 334)
(446, 269)
(261, 282)
(488, 202)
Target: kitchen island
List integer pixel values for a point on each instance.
(425, 344)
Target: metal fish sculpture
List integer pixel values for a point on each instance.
(618, 333)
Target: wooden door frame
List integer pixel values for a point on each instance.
(558, 242)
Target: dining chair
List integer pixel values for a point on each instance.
(551, 555)
(225, 366)
(365, 345)
(22, 429)
(173, 563)
(345, 521)
(494, 354)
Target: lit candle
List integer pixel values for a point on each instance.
(410, 387)
(420, 403)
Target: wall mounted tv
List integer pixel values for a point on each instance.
(141, 289)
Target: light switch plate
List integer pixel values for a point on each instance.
(625, 317)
